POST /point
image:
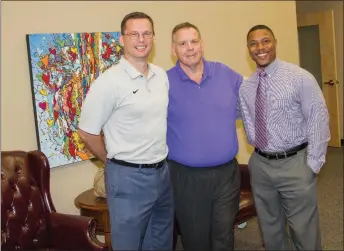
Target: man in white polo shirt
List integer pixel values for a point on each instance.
(129, 103)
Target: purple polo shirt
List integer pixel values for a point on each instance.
(201, 118)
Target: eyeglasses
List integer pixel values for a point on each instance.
(136, 35)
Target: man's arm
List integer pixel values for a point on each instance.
(238, 107)
(317, 118)
(97, 108)
(95, 144)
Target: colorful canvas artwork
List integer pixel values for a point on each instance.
(63, 66)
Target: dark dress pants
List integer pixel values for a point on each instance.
(206, 205)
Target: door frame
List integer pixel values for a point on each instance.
(325, 21)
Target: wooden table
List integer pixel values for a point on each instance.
(95, 207)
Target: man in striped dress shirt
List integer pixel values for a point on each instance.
(286, 120)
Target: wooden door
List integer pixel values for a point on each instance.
(330, 84)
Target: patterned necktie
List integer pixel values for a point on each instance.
(260, 123)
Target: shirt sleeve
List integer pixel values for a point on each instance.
(317, 119)
(238, 107)
(98, 105)
(167, 81)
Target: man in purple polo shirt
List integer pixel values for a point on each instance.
(203, 143)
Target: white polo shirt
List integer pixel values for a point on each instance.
(131, 109)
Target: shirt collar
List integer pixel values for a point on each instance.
(270, 69)
(132, 72)
(206, 70)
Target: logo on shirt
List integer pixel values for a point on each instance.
(135, 91)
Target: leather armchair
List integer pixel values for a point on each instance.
(247, 209)
(29, 220)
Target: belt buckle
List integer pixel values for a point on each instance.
(285, 155)
(155, 165)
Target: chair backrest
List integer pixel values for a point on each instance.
(23, 210)
(245, 179)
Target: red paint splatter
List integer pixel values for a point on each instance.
(69, 134)
(72, 54)
(72, 113)
(108, 51)
(89, 38)
(52, 51)
(71, 148)
(46, 78)
(56, 115)
(43, 105)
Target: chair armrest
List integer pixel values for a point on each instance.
(73, 232)
(245, 178)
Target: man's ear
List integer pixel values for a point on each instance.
(173, 49)
(202, 46)
(121, 42)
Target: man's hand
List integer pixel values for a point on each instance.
(95, 144)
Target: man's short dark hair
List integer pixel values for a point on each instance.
(185, 25)
(259, 27)
(135, 15)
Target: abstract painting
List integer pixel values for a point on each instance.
(63, 66)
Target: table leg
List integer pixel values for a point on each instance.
(107, 229)
(108, 240)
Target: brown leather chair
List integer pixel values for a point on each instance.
(247, 210)
(29, 220)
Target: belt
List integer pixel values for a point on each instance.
(124, 163)
(282, 155)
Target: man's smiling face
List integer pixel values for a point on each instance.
(261, 45)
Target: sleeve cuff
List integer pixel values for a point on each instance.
(90, 130)
(314, 165)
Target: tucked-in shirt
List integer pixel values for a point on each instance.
(201, 117)
(131, 109)
(296, 111)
